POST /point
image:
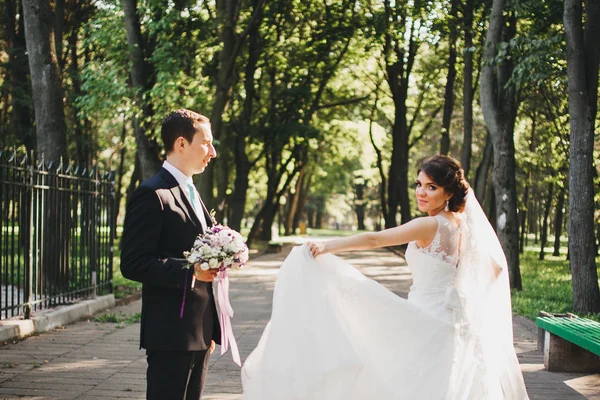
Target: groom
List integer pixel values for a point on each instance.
(179, 325)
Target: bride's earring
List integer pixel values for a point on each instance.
(446, 207)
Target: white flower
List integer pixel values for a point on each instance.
(213, 263)
(204, 266)
(243, 256)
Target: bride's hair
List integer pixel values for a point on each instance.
(448, 173)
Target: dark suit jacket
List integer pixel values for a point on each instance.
(160, 224)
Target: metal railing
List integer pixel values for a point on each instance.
(57, 230)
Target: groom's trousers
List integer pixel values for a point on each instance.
(175, 375)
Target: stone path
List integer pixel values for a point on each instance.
(95, 360)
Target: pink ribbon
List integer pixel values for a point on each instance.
(225, 315)
(184, 293)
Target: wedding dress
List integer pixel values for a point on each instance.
(336, 334)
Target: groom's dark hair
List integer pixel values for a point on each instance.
(182, 123)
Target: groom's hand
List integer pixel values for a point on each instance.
(205, 276)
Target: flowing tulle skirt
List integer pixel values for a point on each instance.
(335, 334)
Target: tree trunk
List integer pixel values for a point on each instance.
(523, 217)
(524, 212)
(383, 183)
(558, 221)
(142, 79)
(544, 235)
(499, 105)
(492, 208)
(243, 128)
(227, 18)
(399, 62)
(534, 221)
(304, 190)
(483, 170)
(120, 173)
(360, 205)
(83, 142)
(18, 80)
(583, 55)
(240, 185)
(135, 179)
(467, 89)
(292, 205)
(398, 178)
(319, 217)
(449, 93)
(46, 80)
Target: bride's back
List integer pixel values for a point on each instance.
(434, 269)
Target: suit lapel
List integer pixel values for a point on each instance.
(181, 198)
(189, 210)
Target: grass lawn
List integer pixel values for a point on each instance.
(546, 285)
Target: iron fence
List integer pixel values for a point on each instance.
(57, 230)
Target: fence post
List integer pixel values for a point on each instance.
(113, 211)
(29, 293)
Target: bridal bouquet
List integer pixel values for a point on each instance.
(220, 247)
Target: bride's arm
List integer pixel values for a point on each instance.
(419, 229)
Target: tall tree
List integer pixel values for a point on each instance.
(46, 80)
(142, 80)
(451, 77)
(232, 43)
(583, 55)
(79, 13)
(400, 44)
(544, 233)
(243, 126)
(19, 124)
(558, 220)
(499, 104)
(466, 152)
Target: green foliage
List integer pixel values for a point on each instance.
(105, 77)
(539, 60)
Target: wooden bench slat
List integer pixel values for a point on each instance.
(580, 331)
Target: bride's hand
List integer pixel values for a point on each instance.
(316, 249)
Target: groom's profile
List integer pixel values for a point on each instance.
(179, 323)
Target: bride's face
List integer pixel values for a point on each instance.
(431, 198)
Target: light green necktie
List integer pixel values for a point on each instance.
(192, 197)
(199, 215)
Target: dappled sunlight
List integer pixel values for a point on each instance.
(588, 386)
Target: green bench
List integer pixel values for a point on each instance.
(570, 343)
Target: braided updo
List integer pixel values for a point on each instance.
(447, 172)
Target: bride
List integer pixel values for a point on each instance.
(335, 334)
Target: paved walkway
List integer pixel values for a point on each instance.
(93, 360)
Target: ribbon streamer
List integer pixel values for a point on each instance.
(225, 315)
(184, 293)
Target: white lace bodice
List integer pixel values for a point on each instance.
(434, 270)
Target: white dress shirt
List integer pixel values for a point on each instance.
(184, 181)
